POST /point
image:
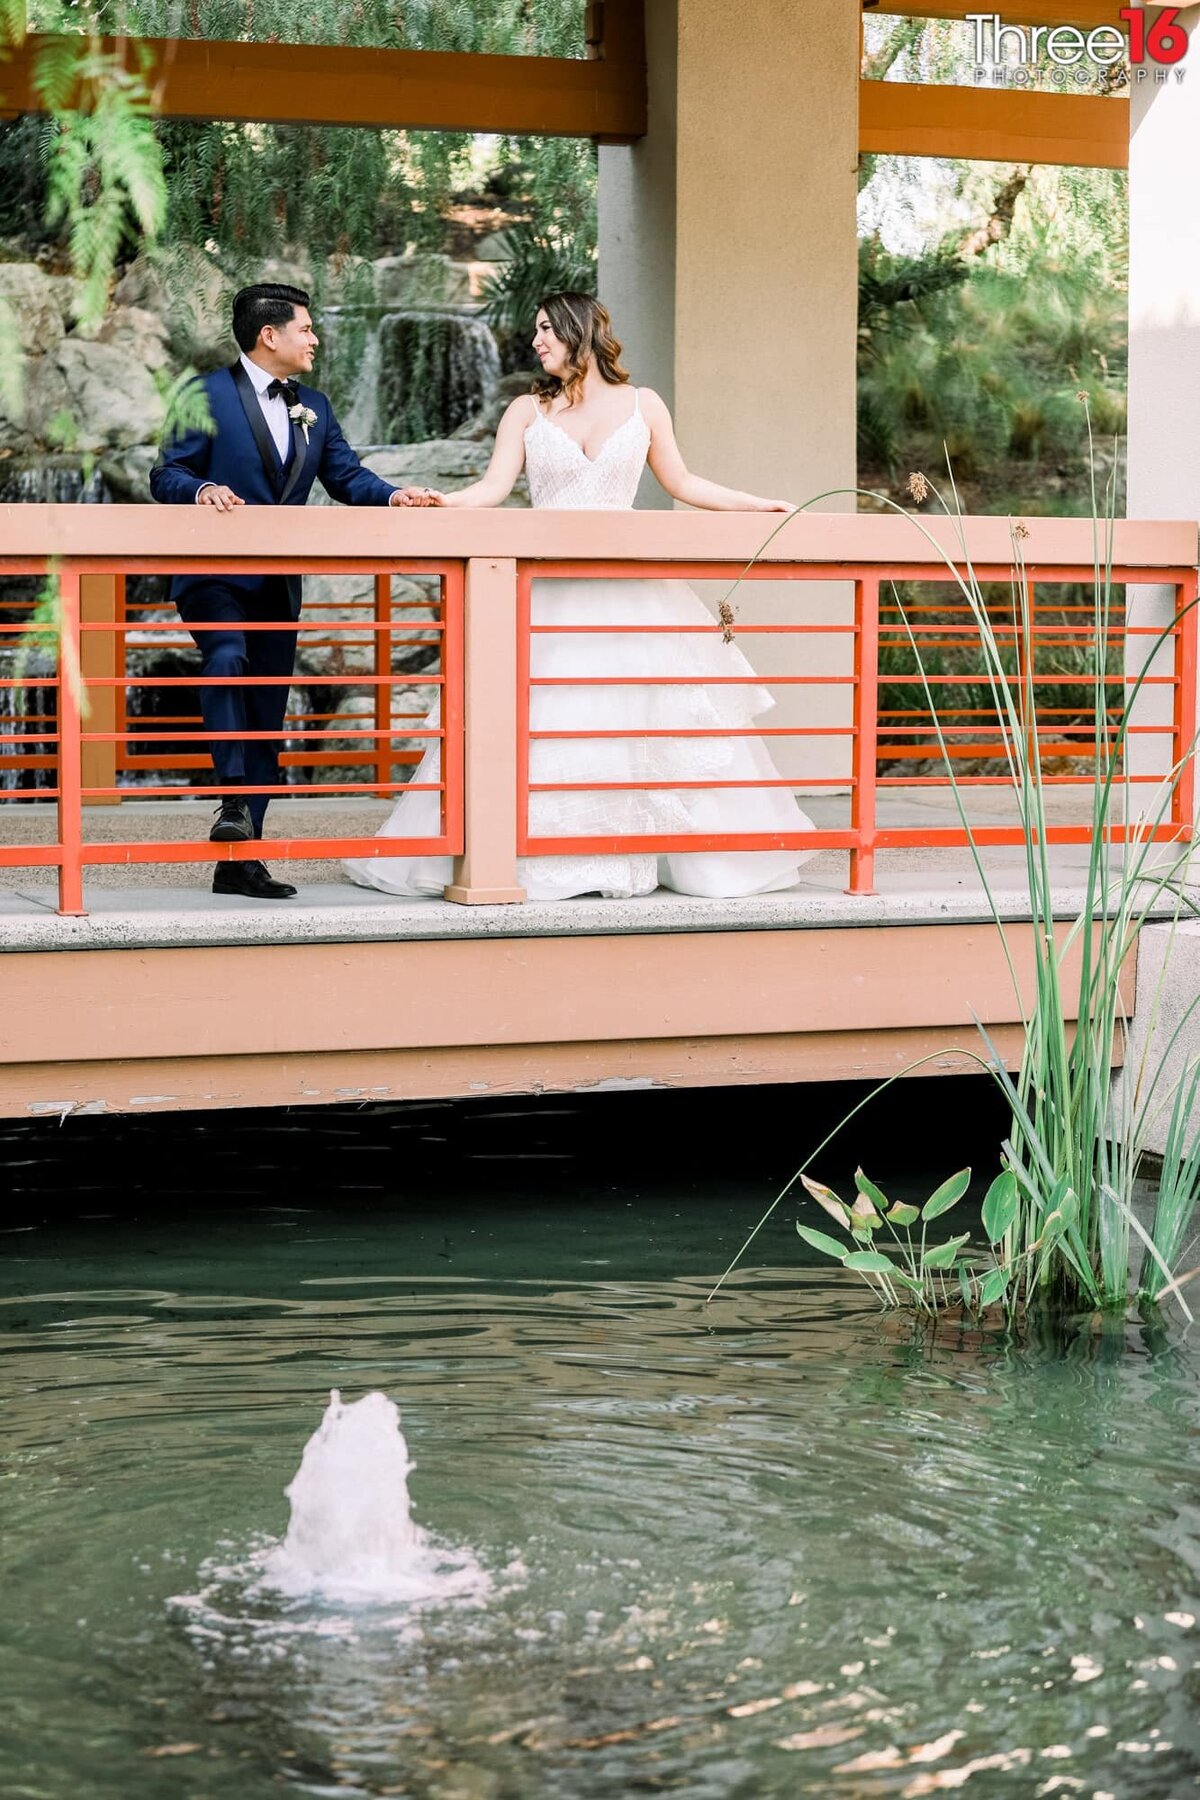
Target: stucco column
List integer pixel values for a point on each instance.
(728, 257)
(1164, 338)
(636, 217)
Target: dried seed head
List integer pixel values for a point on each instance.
(725, 614)
(1082, 396)
(1019, 530)
(918, 487)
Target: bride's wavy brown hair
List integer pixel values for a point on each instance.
(585, 328)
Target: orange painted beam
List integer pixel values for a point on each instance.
(416, 90)
(344, 1077)
(332, 540)
(985, 124)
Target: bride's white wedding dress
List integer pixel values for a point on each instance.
(561, 476)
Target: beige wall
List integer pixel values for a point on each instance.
(1164, 331)
(728, 257)
(727, 238)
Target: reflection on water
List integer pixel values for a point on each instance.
(779, 1545)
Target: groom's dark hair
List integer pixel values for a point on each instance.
(266, 303)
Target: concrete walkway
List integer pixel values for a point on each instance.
(151, 905)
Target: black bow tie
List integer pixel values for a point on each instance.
(288, 389)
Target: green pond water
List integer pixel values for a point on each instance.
(776, 1545)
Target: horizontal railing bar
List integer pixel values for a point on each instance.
(230, 681)
(700, 731)
(246, 737)
(639, 787)
(293, 790)
(278, 849)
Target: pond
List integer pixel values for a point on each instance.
(778, 1544)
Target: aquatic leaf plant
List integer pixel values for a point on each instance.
(1062, 1217)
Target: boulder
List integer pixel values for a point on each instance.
(142, 334)
(187, 290)
(439, 463)
(496, 247)
(481, 428)
(109, 395)
(127, 473)
(281, 268)
(30, 313)
(423, 280)
(16, 431)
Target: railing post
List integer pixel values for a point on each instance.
(70, 770)
(866, 735)
(97, 658)
(1185, 720)
(381, 664)
(486, 873)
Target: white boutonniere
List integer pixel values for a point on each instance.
(304, 416)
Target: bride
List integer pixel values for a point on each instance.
(584, 435)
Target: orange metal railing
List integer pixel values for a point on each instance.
(77, 737)
(939, 726)
(854, 716)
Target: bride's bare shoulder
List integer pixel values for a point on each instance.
(518, 414)
(652, 404)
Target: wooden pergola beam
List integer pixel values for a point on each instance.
(1084, 13)
(602, 97)
(993, 124)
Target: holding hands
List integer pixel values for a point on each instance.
(414, 496)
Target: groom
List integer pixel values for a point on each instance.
(273, 438)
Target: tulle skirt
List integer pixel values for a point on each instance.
(698, 705)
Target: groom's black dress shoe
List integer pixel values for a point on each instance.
(233, 824)
(251, 879)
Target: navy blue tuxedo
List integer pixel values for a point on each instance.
(240, 454)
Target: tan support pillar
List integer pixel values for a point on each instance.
(1164, 342)
(729, 260)
(97, 658)
(486, 874)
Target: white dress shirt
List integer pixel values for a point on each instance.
(274, 411)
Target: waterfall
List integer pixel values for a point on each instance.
(437, 369)
(51, 480)
(360, 422)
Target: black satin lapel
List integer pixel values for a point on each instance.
(257, 424)
(299, 452)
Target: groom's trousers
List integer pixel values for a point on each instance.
(244, 762)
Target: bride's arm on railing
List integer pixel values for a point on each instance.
(673, 474)
(508, 459)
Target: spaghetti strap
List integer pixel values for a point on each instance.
(533, 401)
(637, 403)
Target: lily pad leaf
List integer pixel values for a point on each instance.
(1000, 1206)
(872, 1262)
(948, 1195)
(902, 1214)
(942, 1255)
(820, 1241)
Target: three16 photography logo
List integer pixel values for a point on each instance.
(1024, 55)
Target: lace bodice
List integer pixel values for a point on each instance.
(562, 475)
